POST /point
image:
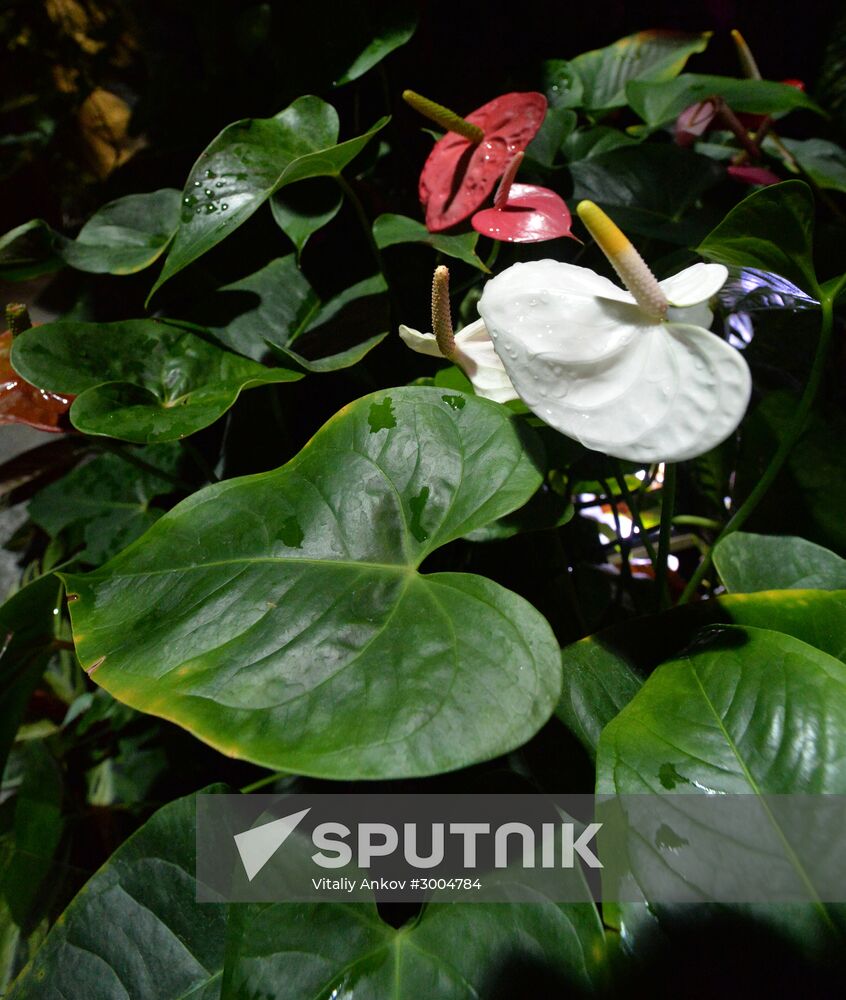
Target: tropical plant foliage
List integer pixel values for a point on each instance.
(276, 548)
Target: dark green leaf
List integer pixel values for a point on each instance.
(126, 235)
(749, 711)
(123, 237)
(598, 684)
(28, 251)
(330, 339)
(556, 127)
(811, 489)
(546, 510)
(562, 84)
(248, 162)
(388, 230)
(27, 630)
(140, 380)
(268, 307)
(748, 563)
(646, 56)
(745, 237)
(604, 671)
(106, 503)
(650, 190)
(662, 102)
(398, 24)
(302, 210)
(34, 781)
(136, 930)
(282, 618)
(585, 143)
(824, 162)
(275, 313)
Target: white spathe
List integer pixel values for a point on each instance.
(586, 359)
(475, 354)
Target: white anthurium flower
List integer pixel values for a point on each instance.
(471, 348)
(633, 373)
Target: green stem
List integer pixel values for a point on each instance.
(693, 520)
(668, 502)
(366, 227)
(634, 509)
(794, 431)
(263, 782)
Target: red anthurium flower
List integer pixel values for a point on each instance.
(463, 169)
(753, 175)
(22, 403)
(523, 213)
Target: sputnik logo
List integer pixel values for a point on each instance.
(257, 846)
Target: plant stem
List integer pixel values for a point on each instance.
(263, 782)
(358, 208)
(693, 520)
(634, 509)
(794, 431)
(668, 503)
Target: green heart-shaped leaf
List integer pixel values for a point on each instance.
(389, 230)
(248, 162)
(748, 712)
(282, 617)
(660, 102)
(139, 380)
(137, 930)
(748, 563)
(602, 673)
(745, 236)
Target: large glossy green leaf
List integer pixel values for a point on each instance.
(603, 672)
(647, 55)
(754, 711)
(27, 626)
(389, 230)
(275, 313)
(105, 504)
(140, 380)
(248, 162)
(123, 237)
(749, 563)
(749, 711)
(136, 931)
(282, 617)
(651, 190)
(658, 103)
(398, 23)
(747, 235)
